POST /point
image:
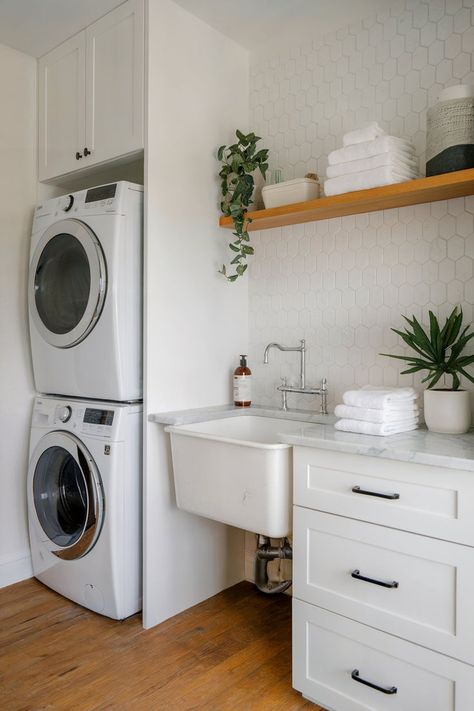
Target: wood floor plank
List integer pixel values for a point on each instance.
(231, 652)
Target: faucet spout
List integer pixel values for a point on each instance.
(268, 349)
(301, 349)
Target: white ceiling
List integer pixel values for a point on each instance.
(36, 26)
(256, 23)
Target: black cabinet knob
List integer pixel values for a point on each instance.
(78, 155)
(87, 152)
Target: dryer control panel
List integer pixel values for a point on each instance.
(112, 198)
(96, 421)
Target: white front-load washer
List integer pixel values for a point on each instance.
(85, 293)
(84, 502)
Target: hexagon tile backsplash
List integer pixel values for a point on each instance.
(343, 283)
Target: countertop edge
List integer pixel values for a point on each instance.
(215, 412)
(381, 452)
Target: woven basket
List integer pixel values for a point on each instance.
(450, 136)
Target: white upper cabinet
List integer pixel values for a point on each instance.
(62, 107)
(91, 94)
(114, 81)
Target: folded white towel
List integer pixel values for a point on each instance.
(366, 133)
(367, 414)
(395, 159)
(381, 429)
(380, 398)
(374, 178)
(383, 144)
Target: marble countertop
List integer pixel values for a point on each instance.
(418, 446)
(217, 412)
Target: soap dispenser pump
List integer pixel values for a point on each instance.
(242, 384)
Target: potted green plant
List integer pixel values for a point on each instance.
(439, 351)
(239, 162)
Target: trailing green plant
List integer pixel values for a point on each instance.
(438, 349)
(239, 161)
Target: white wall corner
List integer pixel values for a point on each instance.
(15, 568)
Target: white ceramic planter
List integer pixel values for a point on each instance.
(447, 411)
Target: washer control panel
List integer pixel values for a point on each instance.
(99, 419)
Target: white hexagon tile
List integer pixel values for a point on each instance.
(343, 283)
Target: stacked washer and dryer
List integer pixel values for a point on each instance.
(84, 478)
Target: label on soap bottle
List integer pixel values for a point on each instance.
(242, 388)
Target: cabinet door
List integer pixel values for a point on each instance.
(61, 108)
(114, 81)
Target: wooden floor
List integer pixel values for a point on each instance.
(232, 652)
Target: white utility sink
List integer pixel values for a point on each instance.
(236, 471)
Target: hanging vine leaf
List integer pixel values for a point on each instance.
(240, 160)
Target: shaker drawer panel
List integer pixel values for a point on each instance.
(416, 587)
(413, 497)
(333, 656)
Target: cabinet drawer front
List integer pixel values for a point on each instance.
(328, 649)
(413, 497)
(416, 587)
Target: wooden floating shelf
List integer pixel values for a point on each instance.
(413, 192)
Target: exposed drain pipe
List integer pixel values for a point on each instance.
(266, 553)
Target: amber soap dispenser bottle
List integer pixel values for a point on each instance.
(243, 384)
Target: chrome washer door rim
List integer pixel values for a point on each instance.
(95, 497)
(98, 283)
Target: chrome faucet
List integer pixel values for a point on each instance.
(299, 349)
(302, 389)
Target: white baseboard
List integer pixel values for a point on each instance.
(12, 570)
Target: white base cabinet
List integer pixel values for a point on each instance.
(91, 89)
(388, 601)
(333, 656)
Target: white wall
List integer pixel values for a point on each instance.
(196, 323)
(343, 283)
(17, 200)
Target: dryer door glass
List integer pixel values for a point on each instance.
(62, 283)
(65, 497)
(67, 283)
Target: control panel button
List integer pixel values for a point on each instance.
(65, 203)
(64, 413)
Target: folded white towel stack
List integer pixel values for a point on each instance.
(369, 159)
(360, 135)
(378, 411)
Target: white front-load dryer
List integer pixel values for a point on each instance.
(85, 293)
(84, 502)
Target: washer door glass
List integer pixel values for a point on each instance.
(67, 500)
(62, 283)
(67, 283)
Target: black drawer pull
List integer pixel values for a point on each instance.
(383, 689)
(366, 492)
(356, 574)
